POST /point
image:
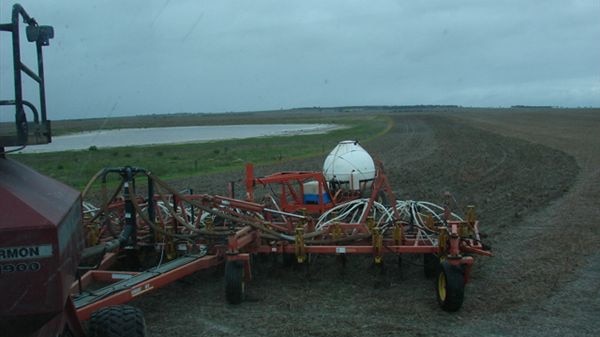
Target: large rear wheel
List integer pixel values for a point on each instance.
(117, 321)
(235, 287)
(450, 286)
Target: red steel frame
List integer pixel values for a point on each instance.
(453, 249)
(124, 296)
(246, 239)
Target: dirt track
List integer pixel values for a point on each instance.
(536, 184)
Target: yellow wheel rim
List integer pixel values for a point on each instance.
(442, 286)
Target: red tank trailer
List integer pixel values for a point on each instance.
(40, 245)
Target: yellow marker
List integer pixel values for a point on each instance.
(377, 245)
(398, 235)
(336, 233)
(299, 246)
(93, 234)
(443, 240)
(429, 222)
(170, 250)
(471, 217)
(370, 223)
(465, 230)
(210, 225)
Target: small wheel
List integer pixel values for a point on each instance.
(450, 286)
(234, 282)
(430, 265)
(117, 321)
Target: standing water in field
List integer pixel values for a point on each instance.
(173, 135)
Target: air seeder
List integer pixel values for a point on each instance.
(67, 266)
(348, 208)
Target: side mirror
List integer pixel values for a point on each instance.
(41, 34)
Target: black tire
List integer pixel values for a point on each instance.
(450, 286)
(430, 265)
(234, 282)
(117, 321)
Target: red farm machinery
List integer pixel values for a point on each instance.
(68, 265)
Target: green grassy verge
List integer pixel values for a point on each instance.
(75, 168)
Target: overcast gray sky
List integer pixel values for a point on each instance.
(112, 58)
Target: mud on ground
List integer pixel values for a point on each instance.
(535, 181)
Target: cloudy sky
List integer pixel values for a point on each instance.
(113, 58)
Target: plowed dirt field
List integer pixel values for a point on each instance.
(534, 177)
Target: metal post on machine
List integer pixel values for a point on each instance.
(192, 209)
(20, 118)
(171, 249)
(151, 209)
(128, 238)
(299, 247)
(231, 189)
(377, 241)
(249, 182)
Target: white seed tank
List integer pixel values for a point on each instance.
(349, 164)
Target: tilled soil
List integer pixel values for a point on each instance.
(532, 193)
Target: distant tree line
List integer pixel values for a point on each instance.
(427, 106)
(531, 107)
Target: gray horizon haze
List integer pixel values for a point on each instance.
(121, 58)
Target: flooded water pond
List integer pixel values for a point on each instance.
(172, 135)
